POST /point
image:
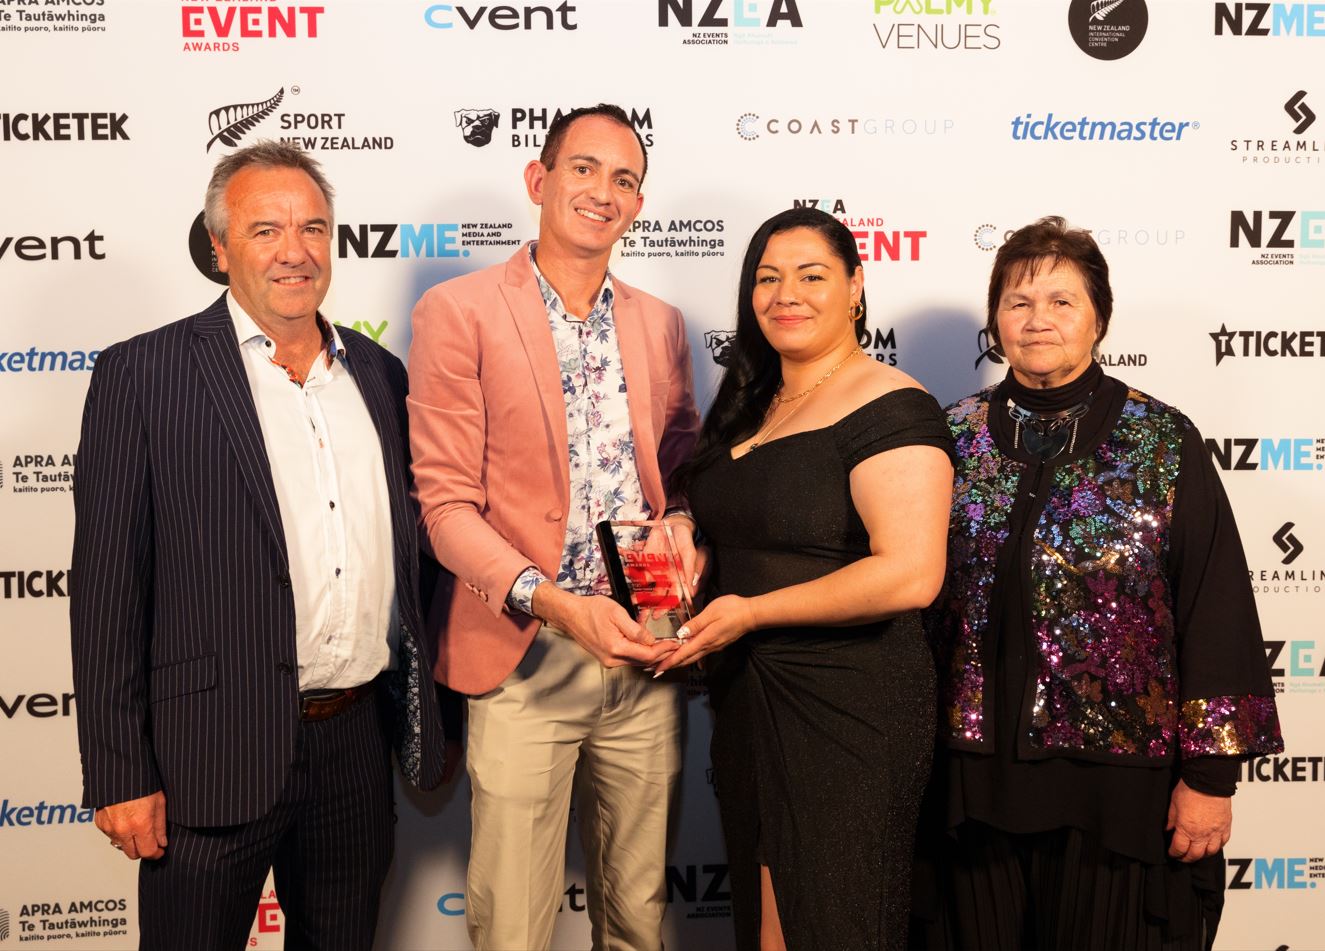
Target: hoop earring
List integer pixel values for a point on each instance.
(856, 311)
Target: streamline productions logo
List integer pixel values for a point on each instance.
(1028, 128)
(948, 25)
(1108, 29)
(48, 22)
(1267, 343)
(1284, 238)
(751, 126)
(529, 124)
(1285, 147)
(218, 27)
(1287, 577)
(503, 18)
(1269, 19)
(312, 131)
(732, 22)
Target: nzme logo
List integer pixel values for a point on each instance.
(1268, 454)
(1269, 19)
(1276, 873)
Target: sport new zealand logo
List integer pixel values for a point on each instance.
(229, 124)
(477, 125)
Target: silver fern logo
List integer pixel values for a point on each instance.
(229, 124)
(1099, 9)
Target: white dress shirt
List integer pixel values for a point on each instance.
(326, 465)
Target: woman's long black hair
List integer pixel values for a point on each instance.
(754, 369)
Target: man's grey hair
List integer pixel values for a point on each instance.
(264, 154)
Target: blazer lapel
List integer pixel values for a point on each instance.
(531, 322)
(635, 364)
(216, 355)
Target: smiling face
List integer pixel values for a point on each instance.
(1047, 325)
(803, 295)
(591, 194)
(278, 244)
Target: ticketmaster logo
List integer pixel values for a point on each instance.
(1085, 129)
(33, 360)
(42, 814)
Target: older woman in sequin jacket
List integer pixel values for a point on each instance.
(1100, 657)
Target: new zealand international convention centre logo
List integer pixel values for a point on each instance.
(1108, 29)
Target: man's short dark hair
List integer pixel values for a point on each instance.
(557, 132)
(264, 154)
(1050, 242)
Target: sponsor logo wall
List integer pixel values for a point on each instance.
(908, 120)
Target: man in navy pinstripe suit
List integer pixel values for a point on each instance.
(245, 619)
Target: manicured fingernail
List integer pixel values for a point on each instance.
(683, 633)
(695, 580)
(658, 673)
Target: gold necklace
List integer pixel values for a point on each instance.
(777, 398)
(762, 436)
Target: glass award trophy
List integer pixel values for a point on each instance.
(644, 568)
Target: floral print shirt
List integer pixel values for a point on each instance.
(604, 479)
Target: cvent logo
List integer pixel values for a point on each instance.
(34, 248)
(504, 17)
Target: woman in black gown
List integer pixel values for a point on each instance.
(822, 482)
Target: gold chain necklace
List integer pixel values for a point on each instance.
(778, 398)
(762, 436)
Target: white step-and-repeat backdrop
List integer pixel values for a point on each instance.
(1181, 132)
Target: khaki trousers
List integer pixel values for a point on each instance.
(560, 720)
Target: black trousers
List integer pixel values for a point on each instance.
(329, 840)
(1063, 891)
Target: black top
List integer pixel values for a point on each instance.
(1126, 805)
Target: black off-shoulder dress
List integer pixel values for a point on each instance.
(823, 735)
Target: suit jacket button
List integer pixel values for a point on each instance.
(285, 668)
(554, 515)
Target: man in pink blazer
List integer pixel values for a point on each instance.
(546, 395)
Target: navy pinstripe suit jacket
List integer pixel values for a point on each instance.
(182, 616)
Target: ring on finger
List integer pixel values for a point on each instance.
(116, 845)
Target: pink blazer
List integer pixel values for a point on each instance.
(488, 433)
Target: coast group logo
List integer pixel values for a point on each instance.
(1289, 146)
(1108, 29)
(385, 241)
(219, 27)
(29, 247)
(989, 237)
(751, 126)
(47, 22)
(503, 18)
(64, 126)
(528, 125)
(675, 238)
(732, 22)
(1267, 343)
(1269, 19)
(1282, 238)
(1287, 576)
(953, 26)
(312, 130)
(1049, 128)
(69, 919)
